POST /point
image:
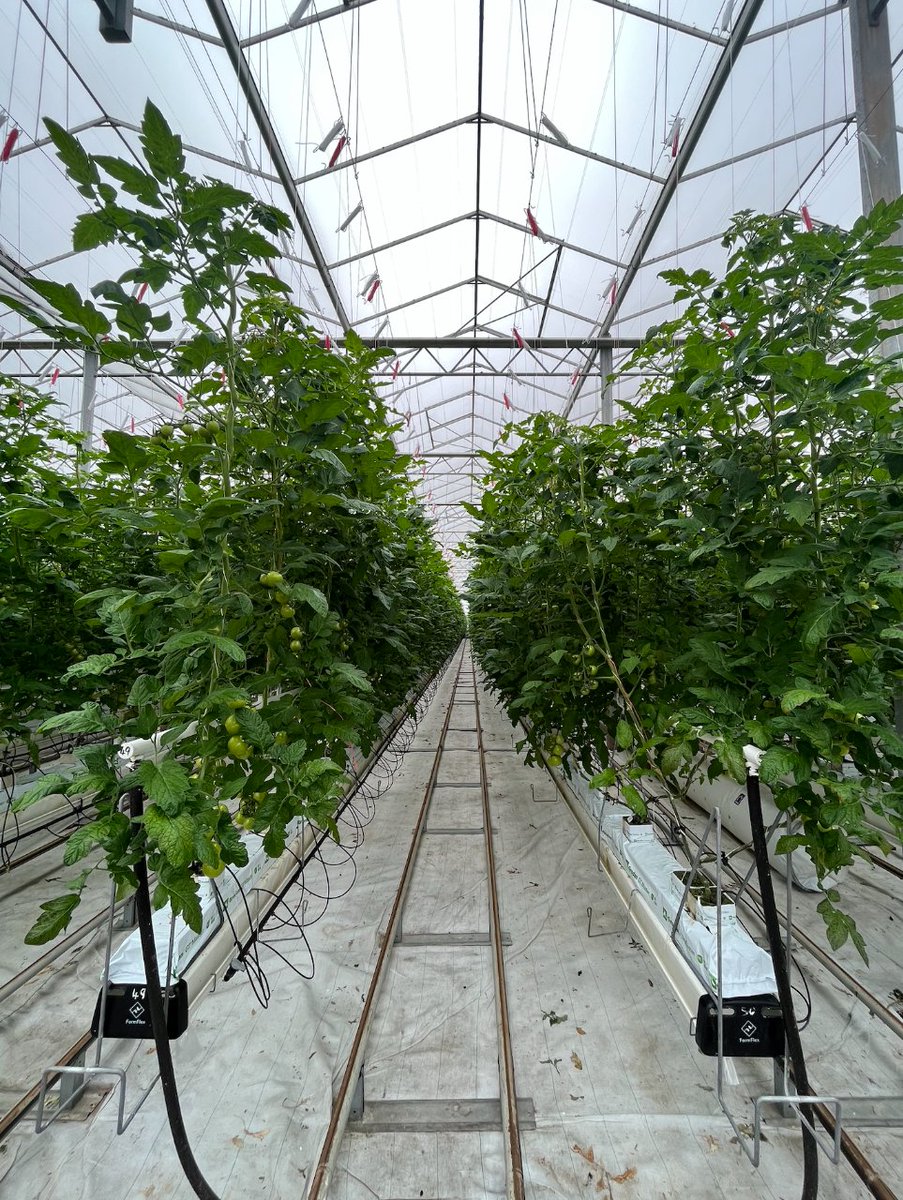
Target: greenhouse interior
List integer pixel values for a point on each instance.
(451, 599)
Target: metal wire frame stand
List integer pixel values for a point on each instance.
(74, 1079)
(786, 1098)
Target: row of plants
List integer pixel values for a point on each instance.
(254, 580)
(722, 565)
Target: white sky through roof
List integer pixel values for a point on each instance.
(617, 79)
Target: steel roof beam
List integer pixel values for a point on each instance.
(261, 116)
(656, 18)
(464, 343)
(356, 159)
(691, 137)
(554, 241)
(400, 241)
(784, 141)
(186, 30)
(818, 15)
(348, 6)
(536, 136)
(425, 343)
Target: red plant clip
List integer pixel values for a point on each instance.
(505, 400)
(395, 368)
(613, 290)
(575, 376)
(532, 222)
(327, 342)
(339, 147)
(179, 400)
(374, 288)
(11, 138)
(521, 344)
(141, 291)
(727, 329)
(55, 376)
(807, 220)
(133, 424)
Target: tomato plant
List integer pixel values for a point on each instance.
(281, 590)
(722, 566)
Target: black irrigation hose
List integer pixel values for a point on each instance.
(199, 1184)
(785, 995)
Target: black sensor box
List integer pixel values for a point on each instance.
(753, 1027)
(127, 1013)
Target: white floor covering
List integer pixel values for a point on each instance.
(624, 1103)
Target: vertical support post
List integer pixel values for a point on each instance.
(89, 388)
(873, 84)
(606, 403)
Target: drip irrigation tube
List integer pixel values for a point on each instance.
(199, 1184)
(776, 948)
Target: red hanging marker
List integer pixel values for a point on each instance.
(339, 147)
(532, 222)
(11, 138)
(521, 344)
(140, 296)
(222, 376)
(675, 141)
(505, 400)
(374, 288)
(395, 368)
(55, 376)
(575, 376)
(727, 329)
(807, 220)
(179, 400)
(133, 424)
(613, 291)
(327, 342)
(407, 417)
(417, 451)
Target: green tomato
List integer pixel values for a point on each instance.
(281, 598)
(286, 611)
(259, 797)
(294, 645)
(271, 579)
(212, 426)
(589, 650)
(281, 738)
(165, 431)
(231, 724)
(554, 760)
(235, 704)
(296, 632)
(239, 748)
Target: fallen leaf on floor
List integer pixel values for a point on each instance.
(578, 1065)
(651, 984)
(630, 1173)
(711, 1142)
(259, 1135)
(586, 1154)
(552, 1062)
(637, 945)
(514, 870)
(554, 1018)
(573, 1097)
(238, 1142)
(582, 1032)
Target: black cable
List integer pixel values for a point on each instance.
(199, 1184)
(785, 995)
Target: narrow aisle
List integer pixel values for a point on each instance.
(617, 1101)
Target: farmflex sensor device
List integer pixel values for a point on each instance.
(752, 1027)
(127, 1014)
